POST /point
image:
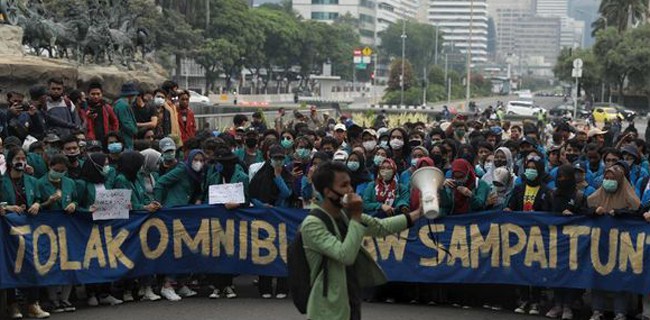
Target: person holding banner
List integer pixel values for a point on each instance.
(349, 265)
(269, 188)
(464, 192)
(128, 168)
(223, 168)
(615, 197)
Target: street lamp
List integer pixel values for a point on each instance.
(401, 77)
(469, 54)
(435, 59)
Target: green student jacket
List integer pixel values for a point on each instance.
(138, 194)
(176, 188)
(318, 241)
(213, 177)
(9, 194)
(36, 161)
(68, 192)
(370, 203)
(128, 125)
(477, 203)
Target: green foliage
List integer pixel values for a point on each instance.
(591, 71)
(215, 55)
(616, 13)
(395, 72)
(420, 44)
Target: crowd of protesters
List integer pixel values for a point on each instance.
(60, 147)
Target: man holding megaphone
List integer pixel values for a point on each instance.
(349, 265)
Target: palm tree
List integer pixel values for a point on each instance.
(620, 14)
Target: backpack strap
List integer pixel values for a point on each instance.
(323, 216)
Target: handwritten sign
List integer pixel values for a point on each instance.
(226, 193)
(112, 204)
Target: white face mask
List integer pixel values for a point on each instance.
(197, 166)
(370, 145)
(158, 101)
(386, 174)
(396, 144)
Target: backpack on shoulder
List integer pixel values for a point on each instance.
(299, 273)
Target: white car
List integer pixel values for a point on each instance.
(196, 97)
(523, 108)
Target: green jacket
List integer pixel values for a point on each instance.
(9, 194)
(149, 197)
(241, 154)
(213, 177)
(138, 194)
(176, 188)
(370, 203)
(318, 241)
(86, 193)
(128, 125)
(38, 163)
(477, 203)
(46, 189)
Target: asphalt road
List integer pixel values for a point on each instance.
(249, 307)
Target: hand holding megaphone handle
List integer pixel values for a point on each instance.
(353, 204)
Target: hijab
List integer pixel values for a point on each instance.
(151, 160)
(91, 170)
(361, 175)
(566, 190)
(503, 176)
(262, 186)
(461, 202)
(541, 171)
(415, 193)
(624, 197)
(196, 176)
(386, 191)
(489, 176)
(129, 164)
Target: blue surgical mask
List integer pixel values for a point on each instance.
(531, 174)
(277, 163)
(55, 175)
(610, 185)
(286, 143)
(115, 147)
(414, 162)
(168, 156)
(106, 170)
(378, 160)
(383, 144)
(303, 153)
(353, 165)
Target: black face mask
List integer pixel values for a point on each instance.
(415, 143)
(438, 160)
(500, 163)
(566, 184)
(330, 154)
(251, 142)
(337, 202)
(572, 157)
(73, 158)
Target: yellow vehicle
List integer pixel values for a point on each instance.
(606, 114)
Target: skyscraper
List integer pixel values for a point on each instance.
(552, 8)
(464, 23)
(330, 10)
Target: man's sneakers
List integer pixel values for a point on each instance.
(128, 296)
(34, 311)
(230, 292)
(169, 294)
(216, 294)
(186, 292)
(110, 300)
(149, 295)
(521, 309)
(92, 301)
(14, 311)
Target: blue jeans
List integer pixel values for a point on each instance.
(620, 301)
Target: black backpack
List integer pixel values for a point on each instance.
(299, 273)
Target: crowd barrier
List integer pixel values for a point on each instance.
(539, 249)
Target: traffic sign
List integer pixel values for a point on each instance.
(578, 63)
(576, 73)
(365, 59)
(367, 51)
(357, 59)
(360, 66)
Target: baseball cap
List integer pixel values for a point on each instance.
(631, 150)
(93, 146)
(167, 144)
(579, 165)
(595, 132)
(51, 138)
(528, 140)
(371, 132)
(340, 156)
(340, 126)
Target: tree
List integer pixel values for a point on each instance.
(395, 73)
(420, 46)
(611, 55)
(215, 56)
(591, 70)
(638, 42)
(622, 13)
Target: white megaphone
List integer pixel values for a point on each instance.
(428, 180)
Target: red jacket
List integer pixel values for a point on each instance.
(111, 123)
(187, 125)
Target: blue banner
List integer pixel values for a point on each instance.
(536, 249)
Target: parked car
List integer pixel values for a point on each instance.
(523, 108)
(196, 97)
(626, 114)
(562, 110)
